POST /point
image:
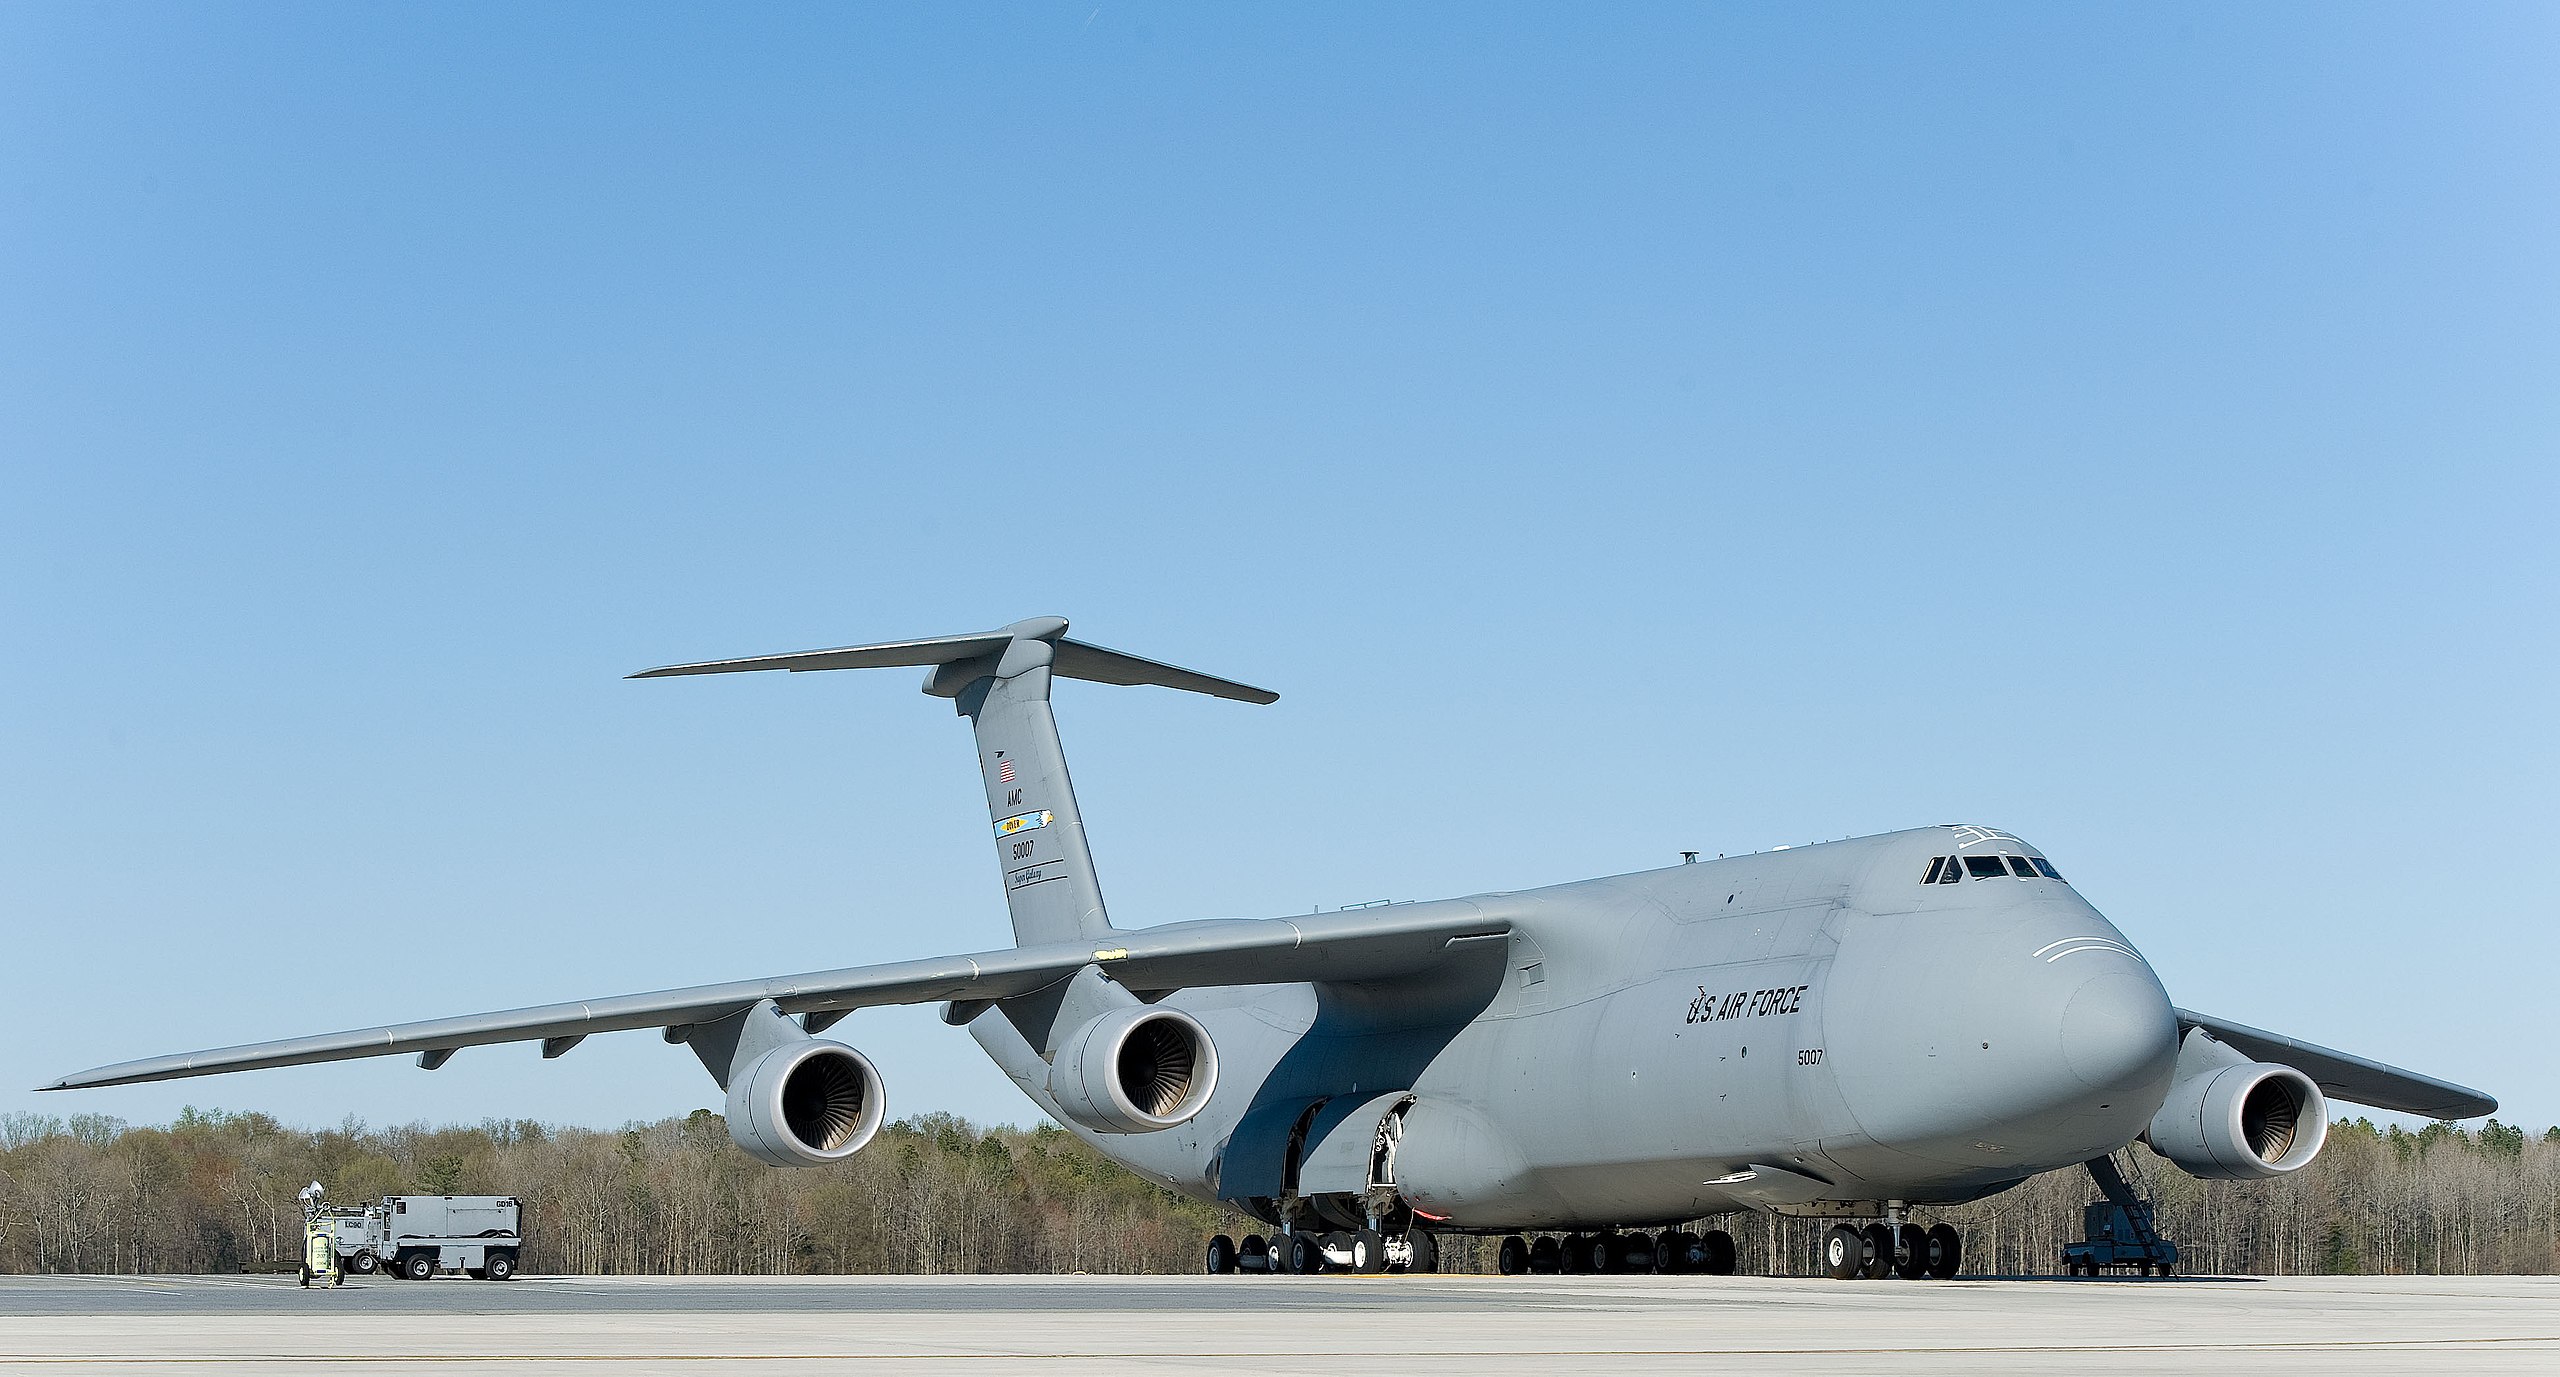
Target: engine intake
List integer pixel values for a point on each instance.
(1135, 1070)
(2241, 1122)
(806, 1104)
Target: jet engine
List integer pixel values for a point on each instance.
(805, 1104)
(2241, 1121)
(1135, 1070)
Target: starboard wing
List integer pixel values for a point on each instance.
(1352, 947)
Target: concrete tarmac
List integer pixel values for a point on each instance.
(1551, 1326)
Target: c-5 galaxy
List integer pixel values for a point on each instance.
(1844, 1030)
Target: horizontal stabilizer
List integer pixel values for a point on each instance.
(2343, 1076)
(1359, 946)
(1071, 660)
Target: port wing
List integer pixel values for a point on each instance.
(2344, 1076)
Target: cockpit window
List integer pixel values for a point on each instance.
(2045, 868)
(1984, 867)
(1936, 864)
(2018, 866)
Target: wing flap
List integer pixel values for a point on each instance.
(2348, 1077)
(1358, 946)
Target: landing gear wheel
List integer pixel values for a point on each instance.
(1608, 1254)
(1222, 1255)
(1879, 1252)
(1911, 1252)
(1546, 1257)
(1844, 1252)
(1424, 1251)
(1254, 1255)
(1513, 1257)
(1306, 1258)
(1673, 1253)
(1573, 1255)
(502, 1267)
(1718, 1246)
(1946, 1250)
(1369, 1252)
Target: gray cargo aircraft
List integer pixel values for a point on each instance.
(1842, 1031)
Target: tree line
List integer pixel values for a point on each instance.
(214, 1191)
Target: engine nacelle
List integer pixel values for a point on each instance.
(1135, 1070)
(805, 1104)
(2240, 1122)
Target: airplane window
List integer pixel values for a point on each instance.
(2018, 866)
(2045, 868)
(1953, 872)
(1936, 863)
(1985, 867)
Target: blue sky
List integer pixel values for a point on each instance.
(1665, 428)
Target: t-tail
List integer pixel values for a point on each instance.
(1000, 681)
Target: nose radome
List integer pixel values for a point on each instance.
(2118, 1031)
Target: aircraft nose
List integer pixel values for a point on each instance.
(2118, 1030)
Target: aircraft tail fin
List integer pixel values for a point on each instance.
(1000, 680)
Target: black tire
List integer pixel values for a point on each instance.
(1946, 1251)
(1844, 1252)
(1369, 1252)
(1306, 1257)
(502, 1267)
(1911, 1252)
(1512, 1258)
(362, 1264)
(1545, 1256)
(1254, 1254)
(1608, 1254)
(1673, 1253)
(418, 1267)
(1221, 1259)
(306, 1276)
(1718, 1247)
(1879, 1252)
(1425, 1252)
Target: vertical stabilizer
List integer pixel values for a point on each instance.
(1048, 869)
(1000, 681)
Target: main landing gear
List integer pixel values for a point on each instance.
(1888, 1250)
(1675, 1251)
(1346, 1250)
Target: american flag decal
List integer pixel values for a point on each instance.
(1004, 770)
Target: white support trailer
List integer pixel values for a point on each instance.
(416, 1237)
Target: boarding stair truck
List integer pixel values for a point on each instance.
(2119, 1236)
(413, 1237)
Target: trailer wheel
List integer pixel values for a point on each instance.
(502, 1267)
